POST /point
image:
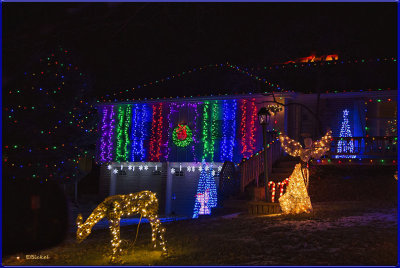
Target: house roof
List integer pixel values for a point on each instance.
(342, 75)
(339, 75)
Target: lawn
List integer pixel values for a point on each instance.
(362, 231)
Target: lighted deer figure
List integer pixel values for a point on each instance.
(116, 206)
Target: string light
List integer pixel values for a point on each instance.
(344, 146)
(139, 132)
(243, 127)
(214, 127)
(156, 133)
(113, 208)
(106, 141)
(195, 141)
(205, 130)
(229, 130)
(123, 142)
(249, 72)
(51, 81)
(248, 127)
(272, 185)
(317, 150)
(103, 134)
(296, 199)
(172, 119)
(206, 197)
(182, 135)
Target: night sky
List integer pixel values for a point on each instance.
(122, 44)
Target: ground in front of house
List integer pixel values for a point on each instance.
(336, 233)
(354, 222)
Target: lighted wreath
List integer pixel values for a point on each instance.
(182, 135)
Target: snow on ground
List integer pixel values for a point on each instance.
(386, 217)
(335, 233)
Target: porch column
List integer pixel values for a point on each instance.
(113, 180)
(168, 189)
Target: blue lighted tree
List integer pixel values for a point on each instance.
(206, 197)
(345, 146)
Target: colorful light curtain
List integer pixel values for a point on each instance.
(123, 126)
(248, 127)
(210, 133)
(156, 133)
(143, 131)
(173, 121)
(107, 133)
(206, 197)
(228, 130)
(141, 114)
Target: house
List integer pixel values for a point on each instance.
(172, 146)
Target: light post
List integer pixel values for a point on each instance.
(263, 118)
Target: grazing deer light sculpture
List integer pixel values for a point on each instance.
(116, 206)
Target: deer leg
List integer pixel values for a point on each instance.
(154, 232)
(115, 241)
(158, 233)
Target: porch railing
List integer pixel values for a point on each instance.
(364, 147)
(253, 167)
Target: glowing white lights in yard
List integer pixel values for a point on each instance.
(206, 197)
(345, 146)
(317, 150)
(296, 199)
(203, 198)
(117, 206)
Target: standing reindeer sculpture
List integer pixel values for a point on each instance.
(113, 208)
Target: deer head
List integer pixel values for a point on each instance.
(81, 232)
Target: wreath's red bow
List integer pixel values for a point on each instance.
(181, 132)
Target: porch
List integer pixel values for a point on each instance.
(379, 150)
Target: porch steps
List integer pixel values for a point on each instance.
(280, 171)
(263, 208)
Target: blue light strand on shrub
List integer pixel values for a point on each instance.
(139, 132)
(206, 197)
(344, 146)
(228, 130)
